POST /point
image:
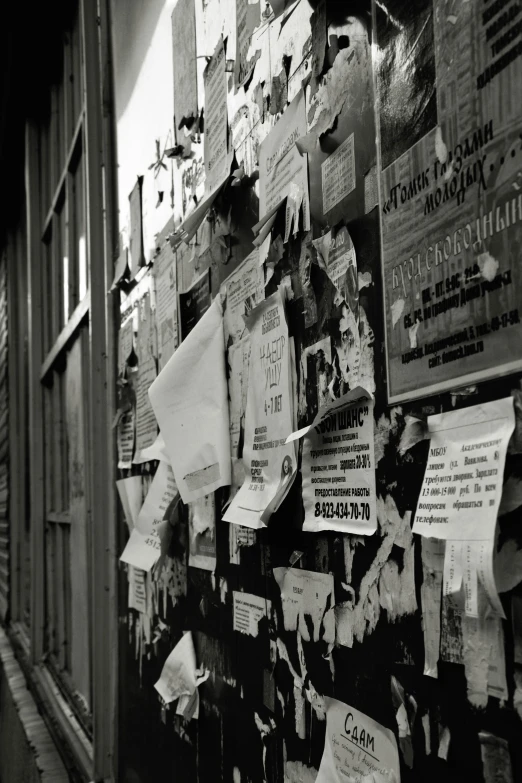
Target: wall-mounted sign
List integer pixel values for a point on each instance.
(450, 192)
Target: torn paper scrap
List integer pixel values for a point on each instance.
(336, 255)
(156, 451)
(307, 596)
(357, 748)
(178, 676)
(190, 401)
(270, 463)
(249, 609)
(431, 597)
(137, 589)
(339, 466)
(143, 547)
(462, 485)
(202, 533)
(131, 496)
(281, 163)
(125, 440)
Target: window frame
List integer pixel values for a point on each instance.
(95, 756)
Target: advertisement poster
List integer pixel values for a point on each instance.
(269, 462)
(357, 748)
(193, 303)
(450, 199)
(338, 466)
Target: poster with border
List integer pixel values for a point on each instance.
(450, 191)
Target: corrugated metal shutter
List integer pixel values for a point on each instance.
(4, 445)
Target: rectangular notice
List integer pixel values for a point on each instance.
(269, 462)
(280, 162)
(450, 200)
(216, 125)
(338, 174)
(339, 466)
(244, 288)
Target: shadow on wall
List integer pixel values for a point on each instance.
(133, 26)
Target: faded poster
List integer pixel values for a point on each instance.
(357, 748)
(165, 287)
(249, 609)
(280, 162)
(244, 288)
(270, 463)
(184, 66)
(216, 124)
(146, 426)
(450, 201)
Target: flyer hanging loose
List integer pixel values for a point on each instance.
(189, 398)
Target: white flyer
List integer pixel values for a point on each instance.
(280, 162)
(461, 491)
(249, 609)
(338, 174)
(462, 485)
(144, 547)
(190, 400)
(308, 600)
(202, 533)
(357, 749)
(270, 463)
(338, 466)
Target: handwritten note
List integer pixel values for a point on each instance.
(357, 748)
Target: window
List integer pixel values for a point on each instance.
(64, 540)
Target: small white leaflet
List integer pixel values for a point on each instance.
(338, 174)
(178, 676)
(249, 609)
(131, 496)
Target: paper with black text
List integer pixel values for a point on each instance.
(190, 401)
(357, 749)
(338, 466)
(270, 463)
(461, 492)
